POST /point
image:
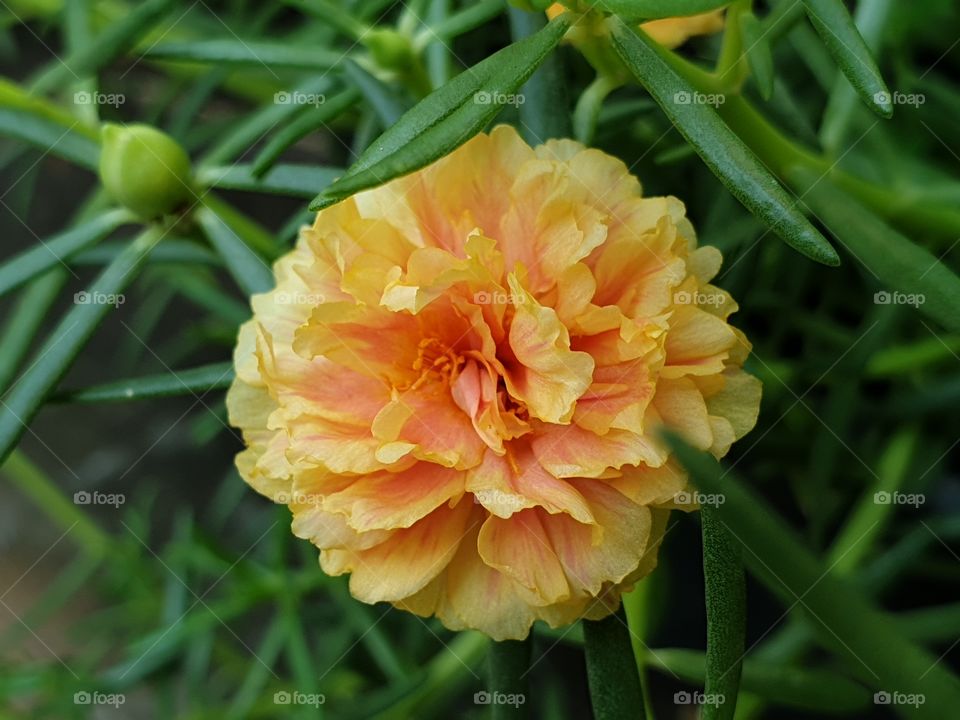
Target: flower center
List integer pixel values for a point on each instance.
(434, 357)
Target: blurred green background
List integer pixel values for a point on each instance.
(177, 592)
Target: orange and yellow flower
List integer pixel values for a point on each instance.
(457, 382)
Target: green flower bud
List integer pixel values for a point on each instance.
(144, 169)
(390, 49)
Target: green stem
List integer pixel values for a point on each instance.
(508, 663)
(611, 670)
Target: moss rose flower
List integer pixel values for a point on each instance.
(457, 381)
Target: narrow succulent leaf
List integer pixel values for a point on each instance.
(106, 47)
(721, 149)
(868, 640)
(57, 250)
(758, 52)
(816, 691)
(448, 117)
(382, 99)
(849, 50)
(309, 120)
(250, 53)
(251, 271)
(67, 340)
(193, 381)
(900, 264)
(282, 179)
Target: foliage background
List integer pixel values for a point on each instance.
(193, 599)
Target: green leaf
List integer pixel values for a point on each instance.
(901, 265)
(818, 691)
(25, 320)
(194, 381)
(382, 99)
(106, 47)
(54, 251)
(243, 52)
(252, 129)
(723, 152)
(311, 118)
(283, 179)
(67, 340)
(869, 640)
(448, 117)
(726, 615)
(849, 50)
(611, 669)
(636, 10)
(40, 123)
(251, 271)
(758, 53)
(543, 114)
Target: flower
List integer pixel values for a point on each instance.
(671, 32)
(457, 382)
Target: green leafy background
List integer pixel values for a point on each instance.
(827, 175)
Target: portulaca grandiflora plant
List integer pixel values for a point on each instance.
(480, 358)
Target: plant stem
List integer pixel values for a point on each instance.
(611, 671)
(508, 663)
